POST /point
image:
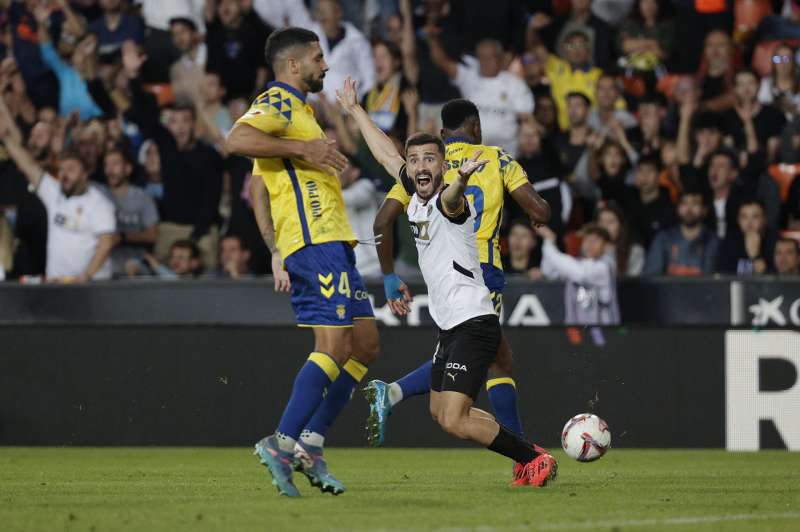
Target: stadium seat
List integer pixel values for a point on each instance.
(783, 175)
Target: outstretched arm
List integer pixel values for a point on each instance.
(381, 146)
(12, 138)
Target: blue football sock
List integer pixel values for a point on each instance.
(309, 385)
(418, 382)
(338, 396)
(503, 396)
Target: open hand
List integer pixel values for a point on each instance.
(348, 96)
(471, 165)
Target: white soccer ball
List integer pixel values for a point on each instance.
(586, 437)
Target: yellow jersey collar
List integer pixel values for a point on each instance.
(288, 88)
(454, 140)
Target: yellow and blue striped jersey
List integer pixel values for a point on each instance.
(485, 190)
(307, 204)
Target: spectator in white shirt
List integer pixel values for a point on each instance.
(346, 50)
(503, 99)
(590, 297)
(361, 201)
(283, 13)
(81, 221)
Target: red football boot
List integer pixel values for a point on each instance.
(542, 469)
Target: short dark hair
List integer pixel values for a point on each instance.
(186, 21)
(723, 152)
(122, 152)
(186, 243)
(70, 154)
(236, 236)
(752, 201)
(392, 48)
(184, 105)
(280, 40)
(707, 120)
(420, 139)
(746, 70)
(456, 112)
(577, 32)
(650, 159)
(594, 229)
(582, 96)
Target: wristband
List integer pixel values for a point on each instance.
(391, 286)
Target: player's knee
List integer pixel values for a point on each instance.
(453, 423)
(367, 352)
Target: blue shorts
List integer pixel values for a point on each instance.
(495, 280)
(327, 290)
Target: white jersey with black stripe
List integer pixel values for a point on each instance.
(448, 258)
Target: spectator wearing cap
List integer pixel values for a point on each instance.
(766, 121)
(582, 19)
(186, 74)
(748, 251)
(347, 52)
(235, 37)
(503, 99)
(590, 297)
(574, 73)
(690, 248)
(787, 257)
(115, 27)
(137, 216)
(80, 218)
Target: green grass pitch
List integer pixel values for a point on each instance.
(154, 489)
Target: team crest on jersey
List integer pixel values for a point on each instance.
(340, 312)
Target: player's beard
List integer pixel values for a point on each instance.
(436, 183)
(313, 84)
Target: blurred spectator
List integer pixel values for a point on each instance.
(283, 13)
(150, 160)
(137, 216)
(242, 221)
(503, 22)
(572, 144)
(749, 250)
(184, 262)
(157, 15)
(716, 73)
(766, 121)
(73, 90)
(608, 94)
(787, 257)
(539, 158)
(782, 87)
(705, 130)
(730, 187)
(346, 50)
(115, 27)
(648, 205)
(546, 114)
(235, 37)
(233, 258)
(524, 255)
(533, 70)
(590, 297)
(613, 12)
(610, 167)
(582, 19)
(651, 113)
(645, 37)
(688, 249)
(361, 202)
(434, 85)
(694, 21)
(574, 73)
(628, 255)
(80, 219)
(213, 118)
(384, 101)
(6, 247)
(15, 94)
(186, 74)
(191, 170)
(502, 98)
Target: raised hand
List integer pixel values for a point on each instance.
(348, 96)
(410, 99)
(132, 60)
(323, 152)
(471, 165)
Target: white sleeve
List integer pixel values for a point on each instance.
(522, 100)
(298, 15)
(466, 77)
(581, 271)
(359, 194)
(104, 219)
(48, 190)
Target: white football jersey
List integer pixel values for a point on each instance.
(448, 258)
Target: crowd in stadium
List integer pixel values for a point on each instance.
(674, 125)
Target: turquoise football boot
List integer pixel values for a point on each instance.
(377, 394)
(309, 461)
(279, 463)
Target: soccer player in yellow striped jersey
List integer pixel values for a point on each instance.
(462, 136)
(300, 211)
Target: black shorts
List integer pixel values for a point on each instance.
(463, 356)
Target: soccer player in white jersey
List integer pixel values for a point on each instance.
(441, 220)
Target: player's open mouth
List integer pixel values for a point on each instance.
(423, 180)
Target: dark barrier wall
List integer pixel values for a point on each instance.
(124, 385)
(661, 302)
